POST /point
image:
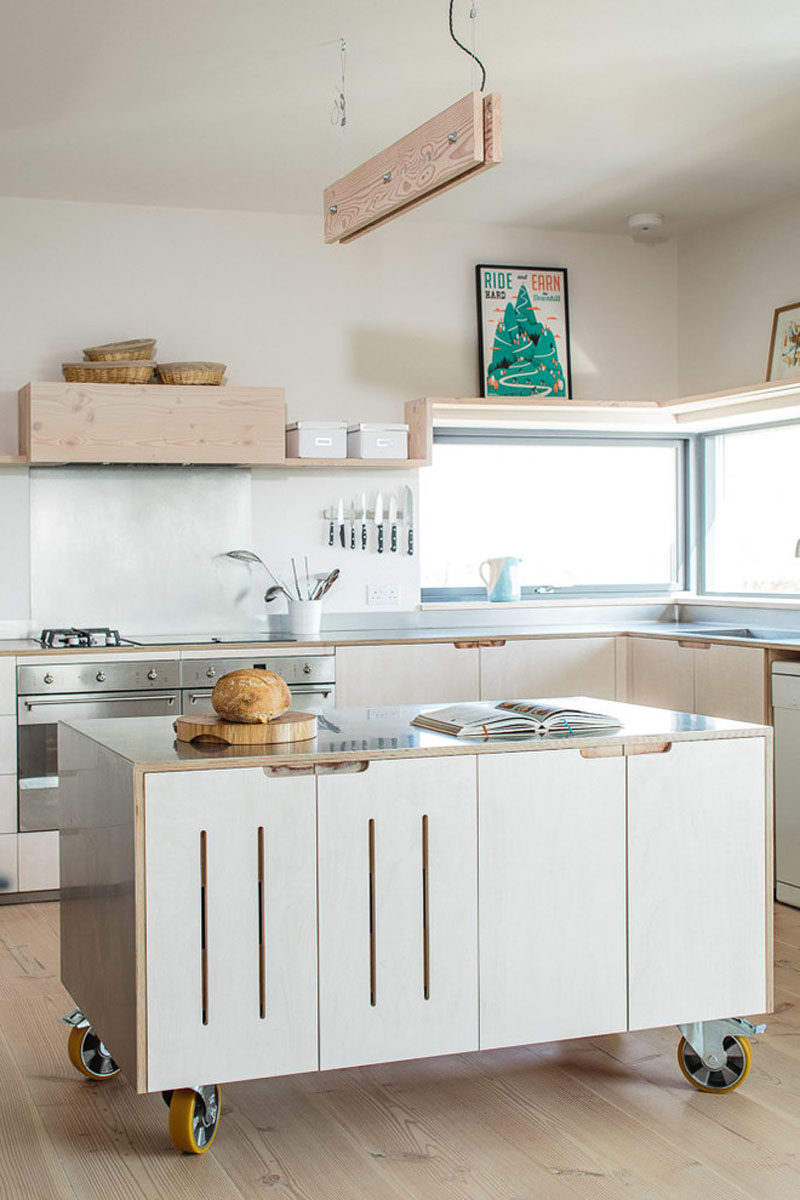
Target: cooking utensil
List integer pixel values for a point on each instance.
(408, 516)
(379, 520)
(352, 524)
(308, 581)
(296, 580)
(272, 592)
(363, 520)
(329, 582)
(249, 557)
(392, 522)
(340, 520)
(331, 529)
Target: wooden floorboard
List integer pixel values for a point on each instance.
(596, 1118)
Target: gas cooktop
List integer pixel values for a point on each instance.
(203, 639)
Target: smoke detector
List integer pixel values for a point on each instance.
(645, 223)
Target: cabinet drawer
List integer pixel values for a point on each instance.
(8, 804)
(38, 861)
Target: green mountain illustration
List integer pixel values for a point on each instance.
(524, 358)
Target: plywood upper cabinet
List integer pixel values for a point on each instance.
(147, 423)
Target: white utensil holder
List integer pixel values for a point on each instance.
(305, 617)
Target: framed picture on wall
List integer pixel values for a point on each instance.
(784, 345)
(523, 331)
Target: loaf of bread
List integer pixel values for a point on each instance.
(251, 697)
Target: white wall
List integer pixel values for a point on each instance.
(731, 278)
(350, 332)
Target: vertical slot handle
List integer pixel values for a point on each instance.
(204, 924)
(426, 933)
(262, 927)
(373, 965)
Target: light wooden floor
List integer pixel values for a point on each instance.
(599, 1118)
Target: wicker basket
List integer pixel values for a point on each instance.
(121, 351)
(108, 372)
(191, 372)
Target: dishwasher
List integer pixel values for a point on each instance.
(786, 712)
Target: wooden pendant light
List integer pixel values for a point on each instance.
(456, 144)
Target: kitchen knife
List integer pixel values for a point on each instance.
(340, 520)
(331, 528)
(408, 516)
(363, 520)
(379, 520)
(392, 522)
(352, 524)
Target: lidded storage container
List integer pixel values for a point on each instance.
(377, 441)
(316, 439)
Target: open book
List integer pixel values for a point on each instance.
(528, 717)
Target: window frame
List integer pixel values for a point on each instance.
(685, 468)
(704, 502)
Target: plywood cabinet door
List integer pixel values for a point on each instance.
(412, 673)
(398, 911)
(549, 667)
(552, 896)
(661, 673)
(697, 894)
(729, 682)
(230, 860)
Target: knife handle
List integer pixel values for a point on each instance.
(342, 538)
(353, 536)
(393, 543)
(330, 534)
(380, 538)
(410, 540)
(363, 535)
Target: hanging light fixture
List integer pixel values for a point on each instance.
(463, 140)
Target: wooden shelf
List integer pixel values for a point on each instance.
(371, 464)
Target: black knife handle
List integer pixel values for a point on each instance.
(330, 534)
(363, 535)
(342, 538)
(393, 544)
(353, 536)
(380, 539)
(411, 541)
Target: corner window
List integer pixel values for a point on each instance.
(751, 511)
(583, 513)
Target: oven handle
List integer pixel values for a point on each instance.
(295, 689)
(95, 697)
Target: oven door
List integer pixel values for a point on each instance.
(306, 697)
(37, 741)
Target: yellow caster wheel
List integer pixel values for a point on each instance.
(194, 1118)
(88, 1054)
(723, 1078)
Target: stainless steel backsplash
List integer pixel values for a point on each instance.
(138, 548)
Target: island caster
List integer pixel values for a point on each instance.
(194, 1115)
(86, 1052)
(715, 1055)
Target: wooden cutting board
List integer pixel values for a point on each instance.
(208, 727)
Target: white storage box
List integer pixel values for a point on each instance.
(316, 439)
(377, 441)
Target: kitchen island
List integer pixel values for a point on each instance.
(384, 892)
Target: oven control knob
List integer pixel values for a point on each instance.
(100, 676)
(306, 669)
(48, 678)
(210, 672)
(152, 674)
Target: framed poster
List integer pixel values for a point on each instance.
(784, 345)
(523, 331)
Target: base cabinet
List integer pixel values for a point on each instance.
(552, 896)
(697, 897)
(419, 673)
(230, 926)
(398, 975)
(711, 678)
(549, 667)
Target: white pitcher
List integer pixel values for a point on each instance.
(502, 582)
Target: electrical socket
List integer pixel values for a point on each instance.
(387, 595)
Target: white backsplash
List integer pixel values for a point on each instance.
(139, 548)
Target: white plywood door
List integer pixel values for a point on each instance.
(729, 682)
(549, 667)
(407, 674)
(697, 898)
(552, 896)
(231, 926)
(661, 673)
(398, 974)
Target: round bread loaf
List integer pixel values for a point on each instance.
(252, 697)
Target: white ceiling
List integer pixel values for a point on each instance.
(689, 108)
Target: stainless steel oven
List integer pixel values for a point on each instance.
(49, 693)
(311, 678)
